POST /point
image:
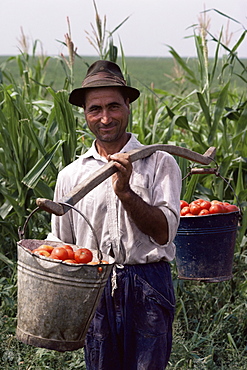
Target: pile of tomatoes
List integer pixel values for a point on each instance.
(201, 207)
(66, 254)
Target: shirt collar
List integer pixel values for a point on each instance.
(133, 143)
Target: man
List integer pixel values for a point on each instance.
(135, 214)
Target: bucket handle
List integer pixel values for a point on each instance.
(214, 171)
(21, 232)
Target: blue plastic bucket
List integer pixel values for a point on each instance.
(205, 247)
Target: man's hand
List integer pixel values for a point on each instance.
(120, 179)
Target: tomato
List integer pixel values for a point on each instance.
(184, 211)
(60, 252)
(70, 251)
(222, 206)
(203, 212)
(71, 254)
(195, 208)
(205, 204)
(200, 207)
(231, 208)
(215, 201)
(183, 204)
(83, 255)
(198, 201)
(68, 247)
(45, 247)
(216, 208)
(41, 252)
(226, 204)
(54, 257)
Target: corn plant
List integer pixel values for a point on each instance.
(101, 39)
(213, 113)
(37, 139)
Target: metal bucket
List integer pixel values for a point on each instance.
(56, 301)
(205, 247)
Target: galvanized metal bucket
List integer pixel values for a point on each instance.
(205, 247)
(56, 301)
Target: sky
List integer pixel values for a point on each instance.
(152, 26)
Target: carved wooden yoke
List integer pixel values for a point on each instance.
(78, 192)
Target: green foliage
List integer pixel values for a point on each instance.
(211, 325)
(37, 138)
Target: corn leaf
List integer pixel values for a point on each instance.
(32, 177)
(205, 108)
(181, 121)
(219, 108)
(240, 181)
(184, 65)
(188, 196)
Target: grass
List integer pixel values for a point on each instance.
(212, 334)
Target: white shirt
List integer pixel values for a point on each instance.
(156, 179)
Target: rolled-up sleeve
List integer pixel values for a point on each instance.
(167, 189)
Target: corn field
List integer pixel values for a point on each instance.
(40, 133)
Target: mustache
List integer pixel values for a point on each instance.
(109, 125)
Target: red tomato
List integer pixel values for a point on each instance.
(222, 206)
(70, 251)
(83, 255)
(215, 201)
(68, 247)
(195, 208)
(54, 257)
(183, 204)
(184, 211)
(45, 247)
(231, 208)
(71, 254)
(204, 212)
(205, 204)
(198, 201)
(60, 252)
(42, 252)
(216, 208)
(226, 204)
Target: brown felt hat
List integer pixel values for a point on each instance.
(102, 73)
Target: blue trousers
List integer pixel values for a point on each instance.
(133, 329)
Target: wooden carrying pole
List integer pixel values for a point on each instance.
(78, 192)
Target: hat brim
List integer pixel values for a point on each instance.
(77, 96)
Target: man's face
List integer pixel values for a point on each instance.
(107, 114)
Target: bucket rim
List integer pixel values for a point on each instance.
(212, 214)
(94, 251)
